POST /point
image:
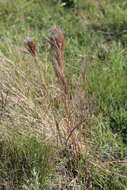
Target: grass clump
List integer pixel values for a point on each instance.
(24, 161)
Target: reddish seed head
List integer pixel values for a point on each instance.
(31, 46)
(56, 40)
(59, 37)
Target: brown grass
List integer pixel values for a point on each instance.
(30, 46)
(56, 40)
(71, 139)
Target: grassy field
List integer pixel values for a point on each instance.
(63, 111)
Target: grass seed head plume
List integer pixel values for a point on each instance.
(30, 46)
(56, 41)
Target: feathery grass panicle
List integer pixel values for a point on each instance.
(30, 46)
(56, 41)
